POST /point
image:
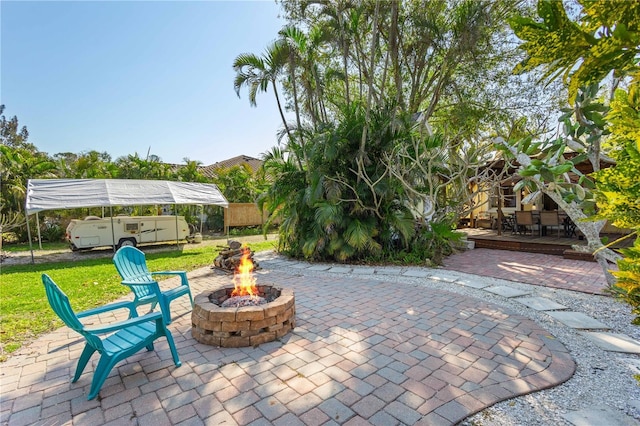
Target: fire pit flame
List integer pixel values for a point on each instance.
(243, 279)
(245, 292)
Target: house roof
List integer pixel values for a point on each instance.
(253, 163)
(209, 171)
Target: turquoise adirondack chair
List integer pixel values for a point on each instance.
(132, 267)
(114, 342)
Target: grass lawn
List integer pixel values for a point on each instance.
(14, 248)
(25, 312)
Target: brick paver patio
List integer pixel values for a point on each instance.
(531, 268)
(363, 352)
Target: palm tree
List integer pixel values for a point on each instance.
(258, 72)
(294, 42)
(340, 21)
(190, 172)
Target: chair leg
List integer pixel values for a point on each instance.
(82, 362)
(164, 307)
(172, 345)
(105, 365)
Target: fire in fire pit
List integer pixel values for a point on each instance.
(245, 292)
(246, 314)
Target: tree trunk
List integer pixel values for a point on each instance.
(284, 121)
(363, 140)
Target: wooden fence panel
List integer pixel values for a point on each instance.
(243, 214)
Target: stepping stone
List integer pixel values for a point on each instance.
(340, 270)
(540, 303)
(388, 271)
(634, 366)
(472, 283)
(319, 267)
(599, 415)
(578, 320)
(443, 278)
(614, 342)
(417, 273)
(506, 291)
(298, 265)
(363, 271)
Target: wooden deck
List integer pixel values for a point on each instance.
(489, 238)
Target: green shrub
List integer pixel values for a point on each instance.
(52, 232)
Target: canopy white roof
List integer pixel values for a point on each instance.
(54, 194)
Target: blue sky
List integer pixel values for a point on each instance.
(129, 77)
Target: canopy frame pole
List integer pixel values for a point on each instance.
(201, 217)
(175, 210)
(38, 228)
(113, 232)
(33, 261)
(227, 220)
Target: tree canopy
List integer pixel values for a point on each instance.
(392, 104)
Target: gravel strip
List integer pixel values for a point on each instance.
(601, 379)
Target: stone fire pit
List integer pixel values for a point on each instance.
(235, 327)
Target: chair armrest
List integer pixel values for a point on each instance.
(169, 273)
(124, 324)
(106, 308)
(128, 282)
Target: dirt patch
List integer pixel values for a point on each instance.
(66, 255)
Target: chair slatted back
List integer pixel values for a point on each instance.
(59, 302)
(131, 264)
(549, 218)
(524, 218)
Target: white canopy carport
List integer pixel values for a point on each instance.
(55, 194)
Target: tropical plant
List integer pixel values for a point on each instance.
(618, 189)
(583, 52)
(347, 214)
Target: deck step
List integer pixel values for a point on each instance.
(578, 255)
(525, 246)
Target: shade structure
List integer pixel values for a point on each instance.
(54, 194)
